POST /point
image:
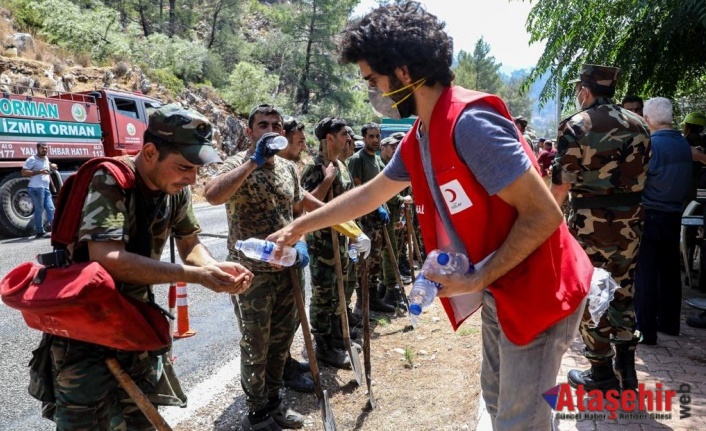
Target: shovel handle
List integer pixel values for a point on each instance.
(143, 403)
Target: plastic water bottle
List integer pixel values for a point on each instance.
(353, 253)
(275, 141)
(260, 249)
(439, 262)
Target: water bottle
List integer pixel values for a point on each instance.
(439, 262)
(353, 253)
(275, 141)
(260, 249)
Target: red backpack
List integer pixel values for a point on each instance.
(80, 300)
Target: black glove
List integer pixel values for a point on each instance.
(268, 145)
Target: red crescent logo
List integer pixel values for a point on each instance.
(453, 196)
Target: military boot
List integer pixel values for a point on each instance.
(624, 366)
(600, 376)
(376, 304)
(336, 334)
(392, 297)
(328, 354)
(295, 376)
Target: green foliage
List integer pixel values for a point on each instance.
(464, 332)
(166, 78)
(658, 44)
(26, 16)
(478, 71)
(250, 85)
(95, 29)
(409, 357)
(183, 58)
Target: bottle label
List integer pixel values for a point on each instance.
(267, 250)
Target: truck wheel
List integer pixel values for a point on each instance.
(16, 209)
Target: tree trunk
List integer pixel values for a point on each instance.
(214, 22)
(303, 96)
(143, 20)
(172, 17)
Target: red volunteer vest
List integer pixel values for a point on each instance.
(544, 288)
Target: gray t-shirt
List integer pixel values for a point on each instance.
(486, 142)
(35, 163)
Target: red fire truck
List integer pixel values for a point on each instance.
(77, 127)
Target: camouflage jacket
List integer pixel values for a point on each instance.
(602, 150)
(262, 205)
(141, 218)
(312, 176)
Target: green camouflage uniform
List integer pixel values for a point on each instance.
(603, 152)
(324, 296)
(389, 263)
(365, 167)
(267, 312)
(85, 395)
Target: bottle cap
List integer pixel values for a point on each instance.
(415, 309)
(443, 258)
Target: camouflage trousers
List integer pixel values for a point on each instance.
(373, 229)
(267, 317)
(611, 238)
(86, 395)
(324, 290)
(389, 263)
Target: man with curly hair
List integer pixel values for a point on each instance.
(477, 191)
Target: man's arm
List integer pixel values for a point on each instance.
(354, 203)
(128, 267)
(538, 217)
(559, 192)
(225, 185)
(321, 190)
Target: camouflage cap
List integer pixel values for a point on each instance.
(603, 76)
(393, 139)
(353, 135)
(695, 118)
(189, 131)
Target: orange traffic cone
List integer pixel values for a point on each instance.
(182, 303)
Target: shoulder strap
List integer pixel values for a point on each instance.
(73, 194)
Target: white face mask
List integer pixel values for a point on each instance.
(385, 106)
(579, 104)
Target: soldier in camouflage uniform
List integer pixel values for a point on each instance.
(389, 263)
(364, 166)
(323, 174)
(603, 155)
(262, 194)
(126, 232)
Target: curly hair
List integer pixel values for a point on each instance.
(400, 35)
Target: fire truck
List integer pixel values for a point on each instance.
(76, 126)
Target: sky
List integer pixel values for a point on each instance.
(501, 23)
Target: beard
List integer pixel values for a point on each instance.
(407, 108)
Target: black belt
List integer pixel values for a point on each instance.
(604, 201)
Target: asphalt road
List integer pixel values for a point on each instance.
(208, 358)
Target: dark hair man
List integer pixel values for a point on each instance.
(477, 192)
(86, 395)
(38, 168)
(262, 193)
(633, 104)
(602, 159)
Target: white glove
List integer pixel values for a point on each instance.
(362, 245)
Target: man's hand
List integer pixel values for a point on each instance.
(228, 277)
(302, 254)
(262, 151)
(329, 171)
(362, 245)
(285, 236)
(383, 215)
(455, 284)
